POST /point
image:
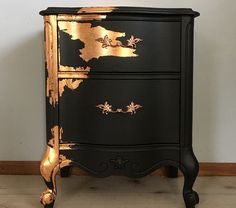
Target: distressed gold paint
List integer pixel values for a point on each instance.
(73, 75)
(92, 47)
(96, 9)
(50, 24)
(82, 17)
(50, 165)
(51, 157)
(70, 83)
(60, 136)
(107, 108)
(67, 146)
(70, 68)
(64, 161)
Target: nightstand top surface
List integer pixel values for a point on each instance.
(118, 10)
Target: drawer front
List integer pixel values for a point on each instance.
(119, 112)
(119, 46)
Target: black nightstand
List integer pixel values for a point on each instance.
(119, 93)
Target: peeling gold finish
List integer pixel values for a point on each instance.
(73, 75)
(69, 68)
(64, 161)
(92, 37)
(83, 17)
(97, 9)
(67, 146)
(60, 135)
(50, 24)
(107, 108)
(50, 165)
(51, 157)
(70, 83)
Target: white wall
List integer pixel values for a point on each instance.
(22, 110)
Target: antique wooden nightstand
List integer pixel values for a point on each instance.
(119, 93)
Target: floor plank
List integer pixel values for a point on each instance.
(116, 192)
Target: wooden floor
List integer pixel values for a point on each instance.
(117, 192)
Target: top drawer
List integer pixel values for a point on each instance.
(119, 46)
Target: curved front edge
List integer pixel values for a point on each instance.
(190, 168)
(134, 161)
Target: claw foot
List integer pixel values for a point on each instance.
(191, 199)
(47, 198)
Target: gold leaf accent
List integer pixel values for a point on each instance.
(64, 161)
(67, 146)
(107, 108)
(91, 37)
(82, 17)
(47, 197)
(73, 75)
(50, 165)
(50, 24)
(70, 83)
(70, 68)
(96, 9)
(51, 156)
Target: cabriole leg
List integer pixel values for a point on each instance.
(48, 168)
(51, 163)
(190, 168)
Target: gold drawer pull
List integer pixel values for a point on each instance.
(107, 108)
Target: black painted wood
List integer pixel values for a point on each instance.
(133, 160)
(160, 79)
(158, 52)
(65, 172)
(128, 10)
(172, 172)
(156, 122)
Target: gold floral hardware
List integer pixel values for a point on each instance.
(107, 108)
(98, 41)
(107, 42)
(133, 41)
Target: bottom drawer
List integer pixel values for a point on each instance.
(120, 112)
(131, 161)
